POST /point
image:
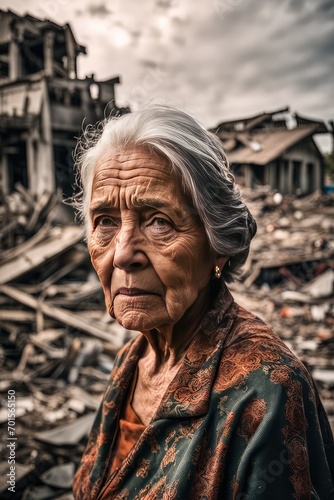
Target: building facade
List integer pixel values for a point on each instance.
(264, 151)
(43, 103)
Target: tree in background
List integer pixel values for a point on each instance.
(329, 157)
(329, 163)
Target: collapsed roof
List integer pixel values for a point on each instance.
(264, 137)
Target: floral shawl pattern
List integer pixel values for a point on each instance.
(241, 420)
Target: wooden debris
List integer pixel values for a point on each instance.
(69, 318)
(21, 473)
(288, 278)
(322, 285)
(70, 434)
(59, 240)
(58, 343)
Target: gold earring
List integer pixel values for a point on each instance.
(218, 272)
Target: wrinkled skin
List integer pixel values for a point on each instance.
(152, 256)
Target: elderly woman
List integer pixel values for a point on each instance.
(206, 402)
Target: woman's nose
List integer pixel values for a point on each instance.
(129, 254)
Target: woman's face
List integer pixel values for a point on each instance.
(147, 245)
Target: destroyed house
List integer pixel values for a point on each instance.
(264, 151)
(43, 103)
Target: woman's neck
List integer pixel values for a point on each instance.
(168, 344)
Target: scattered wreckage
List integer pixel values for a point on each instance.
(58, 343)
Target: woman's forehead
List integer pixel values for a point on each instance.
(133, 165)
(125, 160)
(139, 176)
(137, 167)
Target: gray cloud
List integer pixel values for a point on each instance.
(325, 6)
(164, 4)
(220, 59)
(99, 10)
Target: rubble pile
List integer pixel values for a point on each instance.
(289, 278)
(58, 343)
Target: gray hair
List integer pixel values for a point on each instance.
(195, 154)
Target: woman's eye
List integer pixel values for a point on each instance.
(105, 222)
(161, 224)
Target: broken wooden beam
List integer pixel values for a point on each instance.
(61, 315)
(59, 240)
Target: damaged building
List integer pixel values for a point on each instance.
(264, 151)
(43, 103)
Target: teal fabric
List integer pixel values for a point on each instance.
(241, 420)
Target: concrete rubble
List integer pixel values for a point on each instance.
(58, 343)
(289, 278)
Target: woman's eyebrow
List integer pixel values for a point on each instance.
(156, 203)
(101, 207)
(149, 202)
(137, 203)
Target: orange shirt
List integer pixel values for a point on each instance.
(130, 428)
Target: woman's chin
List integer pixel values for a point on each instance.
(141, 315)
(137, 321)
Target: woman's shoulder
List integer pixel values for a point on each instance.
(249, 333)
(254, 351)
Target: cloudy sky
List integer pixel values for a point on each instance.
(217, 59)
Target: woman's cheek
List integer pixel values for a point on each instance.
(159, 239)
(101, 238)
(94, 252)
(98, 256)
(104, 273)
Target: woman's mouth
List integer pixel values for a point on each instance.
(132, 292)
